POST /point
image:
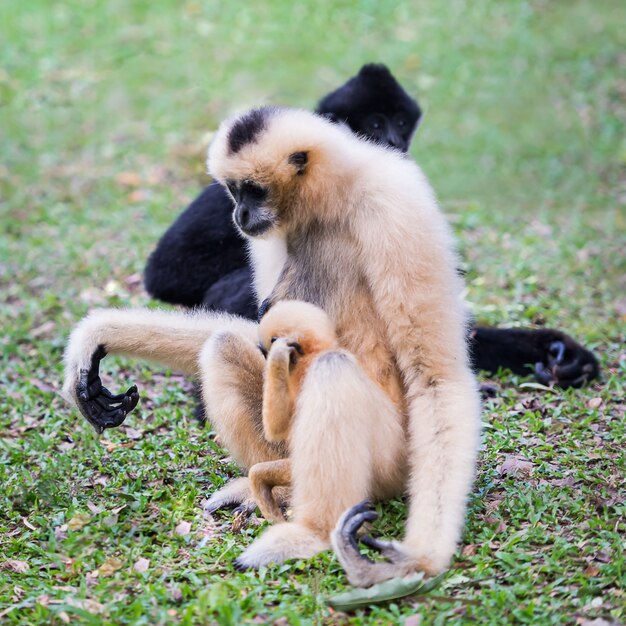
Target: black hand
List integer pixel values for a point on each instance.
(566, 364)
(98, 405)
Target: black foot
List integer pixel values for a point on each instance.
(350, 524)
(98, 405)
(566, 364)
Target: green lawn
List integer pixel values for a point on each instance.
(105, 113)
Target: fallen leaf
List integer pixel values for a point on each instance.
(513, 466)
(95, 510)
(28, 524)
(603, 557)
(141, 565)
(413, 620)
(129, 179)
(91, 606)
(43, 600)
(176, 594)
(21, 567)
(592, 570)
(39, 384)
(110, 566)
(78, 521)
(594, 403)
(45, 329)
(469, 549)
(132, 433)
(184, 528)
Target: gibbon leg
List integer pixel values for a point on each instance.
(232, 387)
(347, 444)
(265, 476)
(173, 339)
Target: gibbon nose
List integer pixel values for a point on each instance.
(244, 218)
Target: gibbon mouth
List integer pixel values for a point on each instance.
(256, 228)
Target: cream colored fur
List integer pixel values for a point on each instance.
(384, 271)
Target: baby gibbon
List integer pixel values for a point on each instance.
(292, 334)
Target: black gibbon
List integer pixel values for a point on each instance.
(293, 335)
(201, 259)
(349, 213)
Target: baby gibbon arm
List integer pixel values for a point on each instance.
(278, 390)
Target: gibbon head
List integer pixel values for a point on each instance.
(374, 104)
(275, 162)
(300, 322)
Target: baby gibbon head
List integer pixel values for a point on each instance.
(300, 322)
(277, 162)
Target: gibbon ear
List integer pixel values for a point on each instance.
(299, 161)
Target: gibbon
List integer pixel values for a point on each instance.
(294, 335)
(366, 242)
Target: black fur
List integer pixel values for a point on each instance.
(200, 260)
(247, 129)
(374, 98)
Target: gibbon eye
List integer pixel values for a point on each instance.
(298, 159)
(273, 339)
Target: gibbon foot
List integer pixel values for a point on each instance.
(236, 496)
(98, 405)
(567, 364)
(360, 570)
(281, 543)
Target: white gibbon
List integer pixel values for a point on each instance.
(353, 228)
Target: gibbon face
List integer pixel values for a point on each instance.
(271, 160)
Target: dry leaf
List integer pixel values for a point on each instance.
(28, 524)
(176, 594)
(132, 433)
(512, 466)
(86, 604)
(110, 566)
(95, 510)
(45, 329)
(469, 549)
(78, 521)
(592, 570)
(43, 600)
(141, 565)
(413, 620)
(21, 567)
(64, 617)
(129, 179)
(594, 403)
(184, 528)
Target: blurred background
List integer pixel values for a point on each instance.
(107, 108)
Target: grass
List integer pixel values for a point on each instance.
(106, 110)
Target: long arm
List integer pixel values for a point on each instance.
(426, 330)
(173, 339)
